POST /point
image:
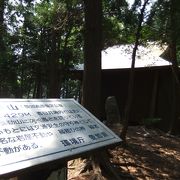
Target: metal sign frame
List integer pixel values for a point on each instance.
(39, 131)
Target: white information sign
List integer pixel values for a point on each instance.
(36, 131)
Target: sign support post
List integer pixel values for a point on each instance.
(44, 174)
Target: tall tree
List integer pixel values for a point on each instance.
(174, 14)
(164, 20)
(92, 74)
(92, 56)
(129, 102)
(54, 55)
(2, 44)
(2, 7)
(45, 39)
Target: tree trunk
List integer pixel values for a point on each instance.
(175, 68)
(54, 76)
(92, 55)
(2, 45)
(128, 107)
(2, 6)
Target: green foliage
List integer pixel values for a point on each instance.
(112, 31)
(151, 122)
(118, 23)
(71, 89)
(36, 35)
(178, 53)
(158, 20)
(44, 12)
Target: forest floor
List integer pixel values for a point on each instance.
(149, 154)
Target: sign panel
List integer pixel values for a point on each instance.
(35, 131)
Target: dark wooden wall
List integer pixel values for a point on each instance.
(152, 93)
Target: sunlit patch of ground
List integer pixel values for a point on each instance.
(150, 154)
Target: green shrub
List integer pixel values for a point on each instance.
(151, 122)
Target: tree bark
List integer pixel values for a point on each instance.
(92, 54)
(175, 68)
(54, 76)
(129, 101)
(92, 74)
(2, 6)
(2, 45)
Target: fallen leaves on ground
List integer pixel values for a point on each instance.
(149, 154)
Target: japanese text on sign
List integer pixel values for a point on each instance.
(47, 129)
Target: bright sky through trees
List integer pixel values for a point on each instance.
(148, 7)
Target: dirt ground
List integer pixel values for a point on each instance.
(149, 154)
